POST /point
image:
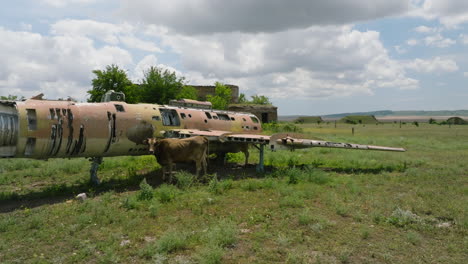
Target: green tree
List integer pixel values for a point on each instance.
(11, 97)
(260, 99)
(243, 99)
(160, 86)
(222, 96)
(112, 78)
(188, 92)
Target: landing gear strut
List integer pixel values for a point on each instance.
(260, 165)
(95, 162)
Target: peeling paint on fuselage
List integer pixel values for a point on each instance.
(44, 129)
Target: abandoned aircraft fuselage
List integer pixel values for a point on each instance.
(45, 129)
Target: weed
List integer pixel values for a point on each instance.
(342, 210)
(414, 238)
(153, 210)
(166, 193)
(213, 185)
(5, 223)
(295, 258)
(293, 201)
(210, 255)
(402, 218)
(146, 191)
(184, 180)
(365, 233)
(222, 235)
(293, 178)
(172, 241)
(305, 218)
(130, 203)
(251, 185)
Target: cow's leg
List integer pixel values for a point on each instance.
(197, 167)
(246, 154)
(204, 165)
(170, 171)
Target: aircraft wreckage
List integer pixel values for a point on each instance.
(43, 129)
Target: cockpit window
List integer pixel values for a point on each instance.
(254, 119)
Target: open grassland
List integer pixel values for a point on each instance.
(312, 206)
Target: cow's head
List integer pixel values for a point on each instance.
(151, 142)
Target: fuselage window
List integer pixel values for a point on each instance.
(208, 115)
(223, 117)
(215, 117)
(233, 119)
(169, 117)
(254, 119)
(244, 119)
(182, 115)
(189, 115)
(119, 108)
(52, 113)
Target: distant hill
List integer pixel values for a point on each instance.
(359, 119)
(383, 113)
(405, 113)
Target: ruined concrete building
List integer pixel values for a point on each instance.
(266, 113)
(204, 90)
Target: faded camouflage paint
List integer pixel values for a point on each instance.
(62, 129)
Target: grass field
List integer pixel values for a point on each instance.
(312, 206)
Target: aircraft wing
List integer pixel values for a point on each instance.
(280, 140)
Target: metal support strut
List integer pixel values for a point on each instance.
(96, 161)
(260, 165)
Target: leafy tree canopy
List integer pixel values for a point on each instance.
(256, 99)
(160, 85)
(112, 78)
(222, 96)
(260, 99)
(11, 97)
(188, 92)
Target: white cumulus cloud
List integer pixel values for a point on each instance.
(213, 16)
(436, 65)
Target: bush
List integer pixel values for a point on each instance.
(171, 242)
(222, 235)
(166, 193)
(402, 218)
(146, 191)
(210, 255)
(185, 180)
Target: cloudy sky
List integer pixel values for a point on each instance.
(309, 57)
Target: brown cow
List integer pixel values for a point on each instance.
(171, 150)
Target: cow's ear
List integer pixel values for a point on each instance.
(145, 141)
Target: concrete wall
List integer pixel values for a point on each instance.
(265, 113)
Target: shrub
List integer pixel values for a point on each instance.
(146, 191)
(222, 235)
(166, 193)
(402, 218)
(210, 255)
(293, 201)
(185, 180)
(171, 241)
